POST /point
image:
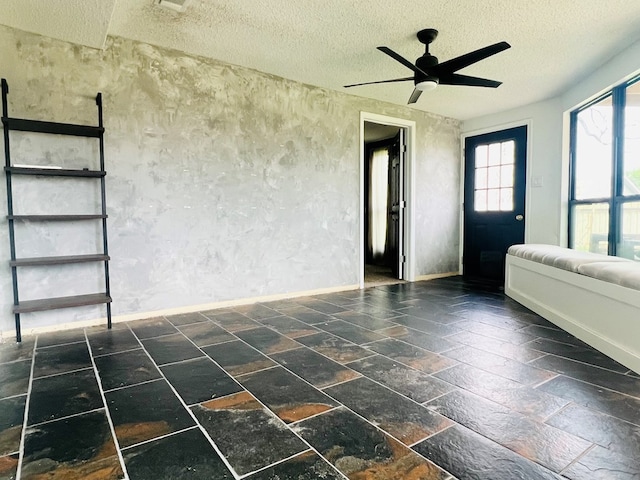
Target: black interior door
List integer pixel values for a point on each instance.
(494, 201)
(395, 237)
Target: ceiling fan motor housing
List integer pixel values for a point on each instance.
(425, 63)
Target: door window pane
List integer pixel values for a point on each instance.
(481, 156)
(506, 176)
(591, 227)
(506, 199)
(494, 177)
(480, 201)
(493, 200)
(508, 152)
(629, 245)
(593, 151)
(631, 159)
(481, 178)
(495, 154)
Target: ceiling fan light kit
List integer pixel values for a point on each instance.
(429, 73)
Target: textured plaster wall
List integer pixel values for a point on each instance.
(223, 183)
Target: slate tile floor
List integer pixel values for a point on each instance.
(432, 380)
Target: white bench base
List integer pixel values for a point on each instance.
(601, 314)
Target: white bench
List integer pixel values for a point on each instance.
(594, 297)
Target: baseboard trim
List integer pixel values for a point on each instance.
(26, 332)
(433, 276)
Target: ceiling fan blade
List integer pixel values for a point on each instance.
(414, 96)
(381, 81)
(462, 61)
(457, 79)
(399, 58)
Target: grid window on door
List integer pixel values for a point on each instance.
(494, 177)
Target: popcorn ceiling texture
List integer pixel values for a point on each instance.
(223, 183)
(331, 43)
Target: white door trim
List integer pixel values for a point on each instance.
(409, 184)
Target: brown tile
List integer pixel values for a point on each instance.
(313, 367)
(238, 358)
(266, 340)
(411, 356)
(336, 348)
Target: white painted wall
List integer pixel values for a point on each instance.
(223, 183)
(546, 216)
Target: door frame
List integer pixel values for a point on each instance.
(409, 242)
(527, 197)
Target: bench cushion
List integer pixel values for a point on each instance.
(626, 274)
(560, 257)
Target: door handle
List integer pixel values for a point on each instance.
(519, 217)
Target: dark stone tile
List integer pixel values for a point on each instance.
(505, 349)
(256, 311)
(72, 448)
(584, 354)
(416, 385)
(199, 380)
(606, 401)
(440, 315)
(233, 321)
(494, 319)
(14, 378)
(339, 299)
(185, 456)
(187, 319)
(126, 368)
(63, 395)
(60, 338)
(609, 432)
(289, 327)
(11, 420)
(238, 358)
(286, 395)
(239, 424)
(306, 466)
(266, 340)
(309, 316)
(540, 443)
(363, 320)
(361, 451)
(171, 348)
(112, 341)
(9, 467)
(207, 333)
(375, 310)
(146, 411)
(516, 337)
(427, 326)
(321, 306)
(555, 334)
(313, 367)
(152, 327)
(14, 351)
(350, 332)
(603, 464)
(470, 456)
(504, 367)
(427, 341)
(407, 421)
(415, 357)
(605, 378)
(61, 359)
(534, 403)
(334, 347)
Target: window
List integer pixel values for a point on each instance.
(605, 174)
(494, 177)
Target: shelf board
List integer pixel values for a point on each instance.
(56, 218)
(54, 172)
(61, 302)
(59, 260)
(55, 128)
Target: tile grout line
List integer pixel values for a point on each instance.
(63, 373)
(123, 387)
(189, 411)
(66, 417)
(116, 353)
(267, 409)
(578, 458)
(106, 408)
(166, 435)
(23, 434)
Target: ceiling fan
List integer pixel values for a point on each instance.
(428, 73)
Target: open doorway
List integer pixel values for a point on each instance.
(384, 189)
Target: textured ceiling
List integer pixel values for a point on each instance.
(330, 43)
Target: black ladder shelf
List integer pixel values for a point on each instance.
(37, 126)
